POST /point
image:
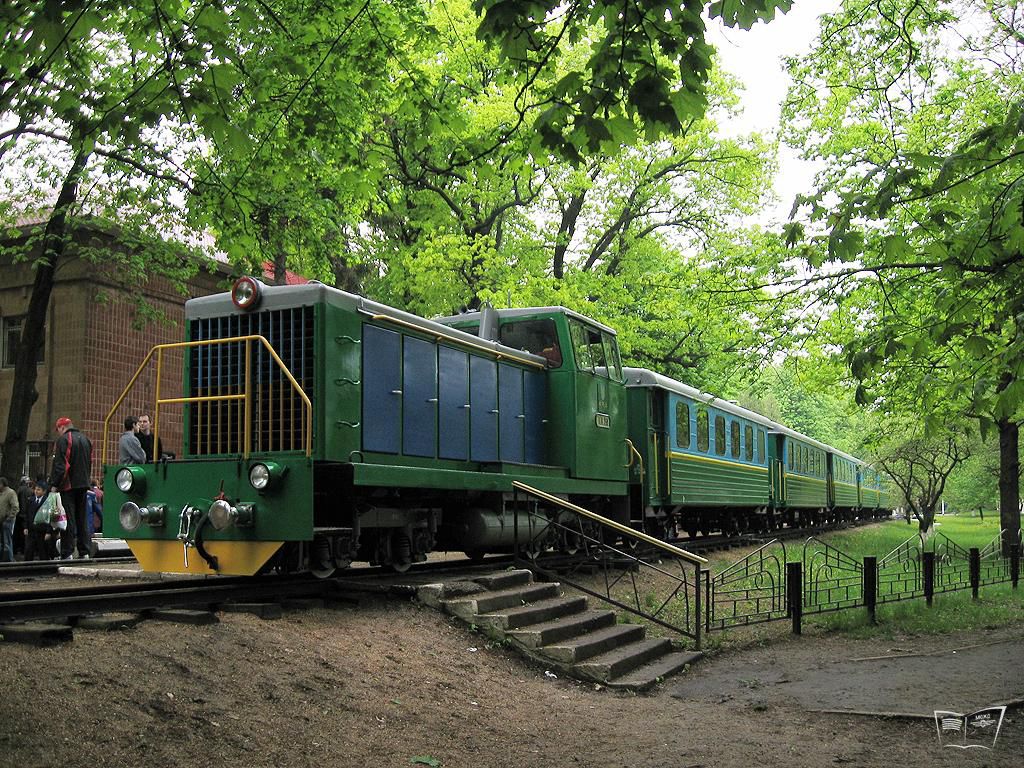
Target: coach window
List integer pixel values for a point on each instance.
(789, 457)
(748, 442)
(703, 439)
(760, 446)
(682, 425)
(734, 438)
(720, 435)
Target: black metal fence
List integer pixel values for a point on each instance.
(766, 586)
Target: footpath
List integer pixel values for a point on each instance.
(908, 677)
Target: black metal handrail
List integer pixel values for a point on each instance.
(664, 590)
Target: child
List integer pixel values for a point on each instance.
(40, 538)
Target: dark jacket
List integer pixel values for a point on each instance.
(72, 461)
(147, 447)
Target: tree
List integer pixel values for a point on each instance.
(93, 97)
(919, 205)
(920, 467)
(647, 62)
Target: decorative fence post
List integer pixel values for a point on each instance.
(795, 595)
(975, 569)
(870, 585)
(1014, 564)
(929, 576)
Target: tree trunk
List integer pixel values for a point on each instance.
(23, 392)
(1009, 483)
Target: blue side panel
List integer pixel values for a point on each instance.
(536, 408)
(382, 389)
(483, 418)
(510, 413)
(453, 397)
(419, 412)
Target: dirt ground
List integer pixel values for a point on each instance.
(392, 683)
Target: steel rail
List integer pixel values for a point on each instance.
(121, 598)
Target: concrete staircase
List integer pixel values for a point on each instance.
(558, 631)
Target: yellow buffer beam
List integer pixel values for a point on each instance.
(235, 558)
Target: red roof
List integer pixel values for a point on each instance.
(290, 278)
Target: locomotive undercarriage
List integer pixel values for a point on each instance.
(395, 528)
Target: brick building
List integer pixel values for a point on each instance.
(95, 340)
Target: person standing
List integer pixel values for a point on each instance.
(39, 537)
(129, 449)
(8, 513)
(24, 522)
(145, 435)
(72, 468)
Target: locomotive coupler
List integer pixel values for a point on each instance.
(185, 528)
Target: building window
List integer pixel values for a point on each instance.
(682, 425)
(11, 338)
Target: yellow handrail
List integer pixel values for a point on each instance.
(245, 395)
(665, 547)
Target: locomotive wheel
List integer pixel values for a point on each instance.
(321, 560)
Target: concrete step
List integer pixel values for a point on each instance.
(471, 606)
(552, 608)
(625, 658)
(649, 674)
(576, 649)
(505, 579)
(536, 635)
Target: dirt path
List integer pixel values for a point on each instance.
(392, 682)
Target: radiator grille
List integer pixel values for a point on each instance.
(277, 420)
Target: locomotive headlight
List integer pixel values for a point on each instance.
(222, 515)
(132, 516)
(265, 476)
(131, 480)
(246, 293)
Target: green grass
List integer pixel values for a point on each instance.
(998, 605)
(879, 540)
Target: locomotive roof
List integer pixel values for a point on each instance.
(525, 312)
(641, 377)
(289, 296)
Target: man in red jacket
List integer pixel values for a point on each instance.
(72, 468)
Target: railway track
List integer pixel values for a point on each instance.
(65, 603)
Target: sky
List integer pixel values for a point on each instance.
(755, 57)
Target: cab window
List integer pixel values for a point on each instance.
(584, 359)
(703, 439)
(682, 425)
(720, 435)
(590, 349)
(539, 337)
(612, 355)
